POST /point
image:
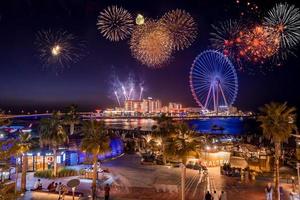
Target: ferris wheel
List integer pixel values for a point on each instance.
(213, 81)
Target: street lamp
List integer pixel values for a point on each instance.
(73, 192)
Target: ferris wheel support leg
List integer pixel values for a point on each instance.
(214, 97)
(217, 94)
(226, 104)
(207, 97)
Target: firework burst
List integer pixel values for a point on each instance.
(115, 23)
(129, 89)
(183, 27)
(58, 49)
(259, 43)
(286, 19)
(151, 44)
(225, 38)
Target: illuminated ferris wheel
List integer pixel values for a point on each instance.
(213, 81)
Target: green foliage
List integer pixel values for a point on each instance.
(52, 132)
(44, 174)
(96, 138)
(71, 115)
(277, 121)
(81, 172)
(184, 143)
(64, 172)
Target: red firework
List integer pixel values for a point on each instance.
(259, 43)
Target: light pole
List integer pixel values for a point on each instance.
(182, 181)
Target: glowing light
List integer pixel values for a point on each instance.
(183, 27)
(259, 43)
(225, 38)
(139, 20)
(151, 44)
(213, 81)
(58, 49)
(115, 23)
(122, 90)
(286, 19)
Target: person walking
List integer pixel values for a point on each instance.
(106, 192)
(269, 192)
(58, 189)
(208, 196)
(223, 196)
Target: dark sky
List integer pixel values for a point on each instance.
(24, 84)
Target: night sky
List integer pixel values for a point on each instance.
(24, 84)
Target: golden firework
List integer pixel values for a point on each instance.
(58, 49)
(183, 27)
(151, 44)
(115, 23)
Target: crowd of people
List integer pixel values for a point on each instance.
(53, 187)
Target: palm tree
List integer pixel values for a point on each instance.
(96, 140)
(163, 131)
(52, 134)
(23, 147)
(71, 118)
(277, 122)
(184, 144)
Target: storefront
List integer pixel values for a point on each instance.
(43, 160)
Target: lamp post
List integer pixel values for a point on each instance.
(73, 192)
(182, 181)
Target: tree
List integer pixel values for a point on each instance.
(163, 131)
(8, 148)
(23, 146)
(183, 144)
(52, 134)
(277, 122)
(96, 140)
(71, 118)
(4, 120)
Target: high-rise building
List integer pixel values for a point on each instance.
(151, 105)
(133, 105)
(174, 107)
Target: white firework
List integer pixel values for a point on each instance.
(286, 19)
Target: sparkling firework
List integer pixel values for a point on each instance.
(151, 44)
(115, 23)
(259, 43)
(225, 38)
(130, 89)
(286, 19)
(183, 27)
(58, 49)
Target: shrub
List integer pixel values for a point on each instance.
(82, 172)
(64, 172)
(44, 174)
